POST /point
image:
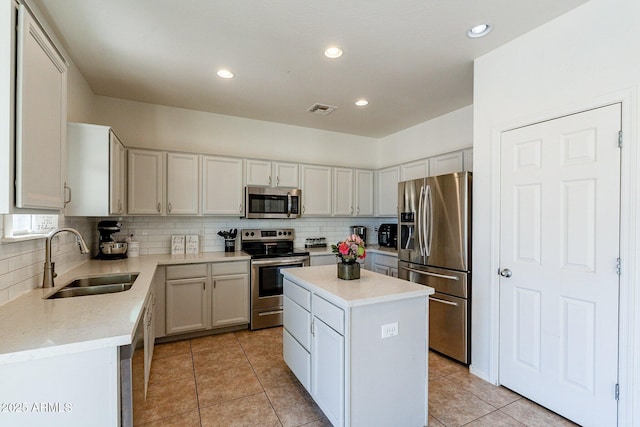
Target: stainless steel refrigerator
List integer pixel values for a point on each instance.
(434, 249)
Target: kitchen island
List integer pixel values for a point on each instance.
(359, 347)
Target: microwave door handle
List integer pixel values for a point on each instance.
(428, 221)
(288, 205)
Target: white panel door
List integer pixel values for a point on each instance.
(559, 245)
(364, 192)
(144, 177)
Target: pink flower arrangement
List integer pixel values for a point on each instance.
(350, 249)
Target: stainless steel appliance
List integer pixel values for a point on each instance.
(434, 249)
(267, 202)
(271, 251)
(388, 235)
(360, 230)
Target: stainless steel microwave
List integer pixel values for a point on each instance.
(267, 202)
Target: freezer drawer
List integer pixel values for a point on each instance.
(449, 326)
(445, 281)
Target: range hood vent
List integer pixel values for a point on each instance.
(321, 109)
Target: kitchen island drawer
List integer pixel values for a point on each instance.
(329, 314)
(297, 321)
(298, 294)
(298, 359)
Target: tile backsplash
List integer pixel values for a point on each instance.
(154, 233)
(21, 263)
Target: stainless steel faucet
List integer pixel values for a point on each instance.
(49, 267)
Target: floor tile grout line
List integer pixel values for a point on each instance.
(195, 380)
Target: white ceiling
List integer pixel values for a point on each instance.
(410, 58)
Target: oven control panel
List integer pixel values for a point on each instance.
(260, 235)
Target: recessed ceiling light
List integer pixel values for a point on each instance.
(225, 74)
(362, 102)
(479, 31)
(333, 52)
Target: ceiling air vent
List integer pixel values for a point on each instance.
(321, 109)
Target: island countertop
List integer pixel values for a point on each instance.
(371, 288)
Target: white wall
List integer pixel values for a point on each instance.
(449, 132)
(80, 97)
(576, 61)
(168, 128)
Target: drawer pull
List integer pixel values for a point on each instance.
(455, 304)
(268, 313)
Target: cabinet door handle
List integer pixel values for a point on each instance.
(351, 210)
(269, 179)
(240, 208)
(214, 283)
(158, 207)
(169, 207)
(278, 181)
(67, 201)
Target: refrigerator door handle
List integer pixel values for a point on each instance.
(420, 222)
(428, 226)
(428, 273)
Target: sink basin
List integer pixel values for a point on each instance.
(96, 285)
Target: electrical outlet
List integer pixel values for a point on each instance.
(389, 330)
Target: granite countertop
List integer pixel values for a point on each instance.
(35, 327)
(371, 288)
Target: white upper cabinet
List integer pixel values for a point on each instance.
(287, 174)
(364, 192)
(259, 172)
(183, 184)
(387, 191)
(96, 171)
(146, 176)
(352, 192)
(222, 189)
(468, 160)
(343, 192)
(272, 174)
(117, 176)
(41, 116)
(316, 190)
(446, 163)
(414, 170)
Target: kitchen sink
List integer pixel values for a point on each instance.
(96, 285)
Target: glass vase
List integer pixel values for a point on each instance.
(348, 270)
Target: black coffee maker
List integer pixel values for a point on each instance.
(108, 248)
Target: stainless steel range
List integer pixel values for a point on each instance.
(271, 251)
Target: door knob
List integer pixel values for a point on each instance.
(505, 272)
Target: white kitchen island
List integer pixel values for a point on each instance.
(359, 347)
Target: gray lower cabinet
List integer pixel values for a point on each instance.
(205, 296)
(187, 304)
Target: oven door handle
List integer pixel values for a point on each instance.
(281, 261)
(288, 204)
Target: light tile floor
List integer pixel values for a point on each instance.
(240, 379)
